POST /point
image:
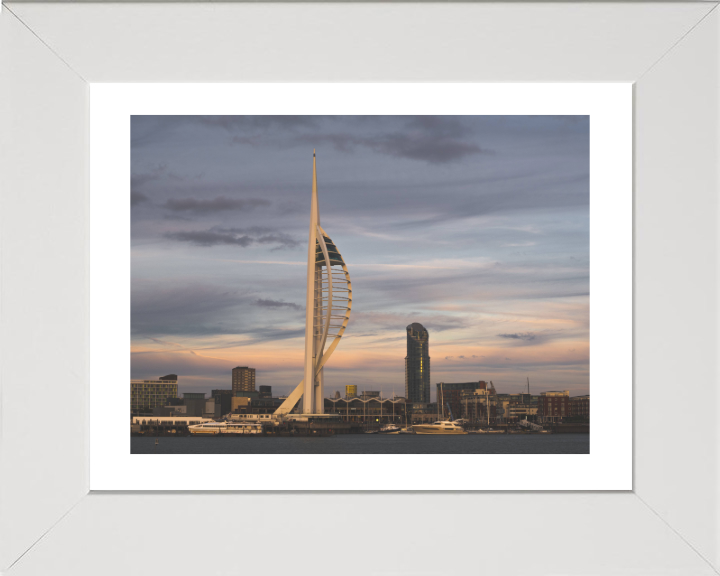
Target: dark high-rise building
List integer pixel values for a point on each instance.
(417, 364)
(224, 399)
(243, 379)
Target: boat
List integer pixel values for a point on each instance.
(390, 429)
(406, 430)
(223, 428)
(439, 427)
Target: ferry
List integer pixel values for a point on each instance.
(440, 427)
(234, 428)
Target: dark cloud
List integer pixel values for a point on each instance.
(209, 238)
(527, 336)
(265, 303)
(242, 237)
(436, 140)
(219, 204)
(137, 198)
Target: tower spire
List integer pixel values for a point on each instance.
(311, 301)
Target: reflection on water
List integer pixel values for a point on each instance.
(369, 444)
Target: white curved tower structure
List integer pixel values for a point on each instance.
(327, 311)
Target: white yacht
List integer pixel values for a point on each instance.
(390, 429)
(233, 428)
(439, 427)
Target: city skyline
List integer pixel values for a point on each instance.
(475, 227)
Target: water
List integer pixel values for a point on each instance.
(369, 444)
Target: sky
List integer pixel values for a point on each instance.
(476, 227)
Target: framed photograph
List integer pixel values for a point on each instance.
(577, 198)
(604, 119)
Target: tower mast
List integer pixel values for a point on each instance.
(311, 302)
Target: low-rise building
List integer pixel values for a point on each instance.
(449, 395)
(479, 406)
(371, 409)
(554, 405)
(580, 407)
(195, 402)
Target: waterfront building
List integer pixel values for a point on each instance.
(367, 394)
(479, 405)
(422, 412)
(212, 409)
(254, 405)
(580, 407)
(265, 391)
(195, 402)
(146, 395)
(243, 379)
(351, 391)
(170, 410)
(372, 409)
(554, 405)
(514, 407)
(449, 394)
(239, 403)
(224, 399)
(417, 364)
(167, 424)
(327, 311)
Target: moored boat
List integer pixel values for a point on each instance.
(439, 427)
(222, 428)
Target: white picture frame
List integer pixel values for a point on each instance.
(49, 522)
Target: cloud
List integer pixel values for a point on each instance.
(430, 139)
(527, 336)
(162, 309)
(219, 204)
(372, 321)
(141, 178)
(137, 198)
(242, 237)
(277, 304)
(209, 238)
(159, 310)
(234, 123)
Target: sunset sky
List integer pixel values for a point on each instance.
(476, 227)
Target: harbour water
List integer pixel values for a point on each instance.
(368, 444)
